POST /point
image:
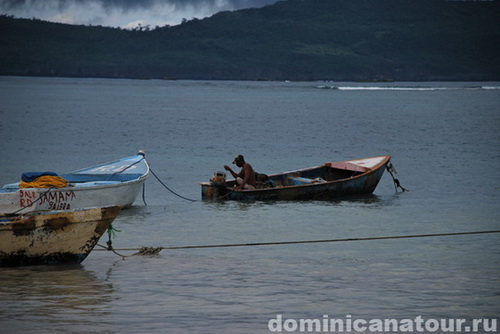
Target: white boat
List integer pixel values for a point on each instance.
(52, 237)
(116, 183)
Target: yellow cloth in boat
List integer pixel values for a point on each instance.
(45, 181)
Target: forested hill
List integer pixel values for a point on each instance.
(290, 40)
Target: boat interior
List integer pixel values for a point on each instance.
(326, 173)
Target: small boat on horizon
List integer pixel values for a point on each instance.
(115, 183)
(330, 181)
(52, 237)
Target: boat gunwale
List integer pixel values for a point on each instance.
(131, 158)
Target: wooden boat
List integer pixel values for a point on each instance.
(116, 183)
(52, 237)
(332, 180)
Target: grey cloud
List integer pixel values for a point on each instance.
(123, 13)
(127, 5)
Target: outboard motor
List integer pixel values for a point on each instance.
(219, 179)
(218, 187)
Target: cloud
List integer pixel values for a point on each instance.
(122, 13)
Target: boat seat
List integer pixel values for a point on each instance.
(297, 181)
(347, 166)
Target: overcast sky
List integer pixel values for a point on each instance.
(122, 13)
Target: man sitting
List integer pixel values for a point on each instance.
(246, 177)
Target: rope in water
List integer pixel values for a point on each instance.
(166, 187)
(155, 250)
(390, 168)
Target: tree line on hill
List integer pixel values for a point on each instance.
(412, 40)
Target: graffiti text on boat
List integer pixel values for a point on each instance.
(58, 200)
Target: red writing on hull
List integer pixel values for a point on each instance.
(26, 198)
(55, 200)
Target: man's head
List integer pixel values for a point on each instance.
(239, 160)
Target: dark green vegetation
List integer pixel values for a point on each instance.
(294, 40)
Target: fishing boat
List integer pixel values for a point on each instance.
(52, 237)
(332, 180)
(116, 183)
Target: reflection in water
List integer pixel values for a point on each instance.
(369, 201)
(133, 214)
(59, 295)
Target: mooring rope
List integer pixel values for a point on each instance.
(166, 187)
(392, 171)
(111, 234)
(110, 248)
(144, 193)
(156, 250)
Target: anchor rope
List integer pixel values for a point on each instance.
(155, 250)
(166, 187)
(111, 234)
(144, 194)
(110, 248)
(390, 168)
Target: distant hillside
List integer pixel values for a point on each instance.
(290, 40)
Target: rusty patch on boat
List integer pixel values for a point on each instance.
(107, 216)
(102, 226)
(24, 227)
(58, 223)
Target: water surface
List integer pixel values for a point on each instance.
(444, 140)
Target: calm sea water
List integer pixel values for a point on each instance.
(444, 139)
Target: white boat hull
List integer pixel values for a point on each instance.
(69, 198)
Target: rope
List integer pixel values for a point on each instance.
(156, 250)
(111, 234)
(392, 171)
(44, 181)
(173, 192)
(144, 193)
(110, 248)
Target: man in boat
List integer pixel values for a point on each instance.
(246, 177)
